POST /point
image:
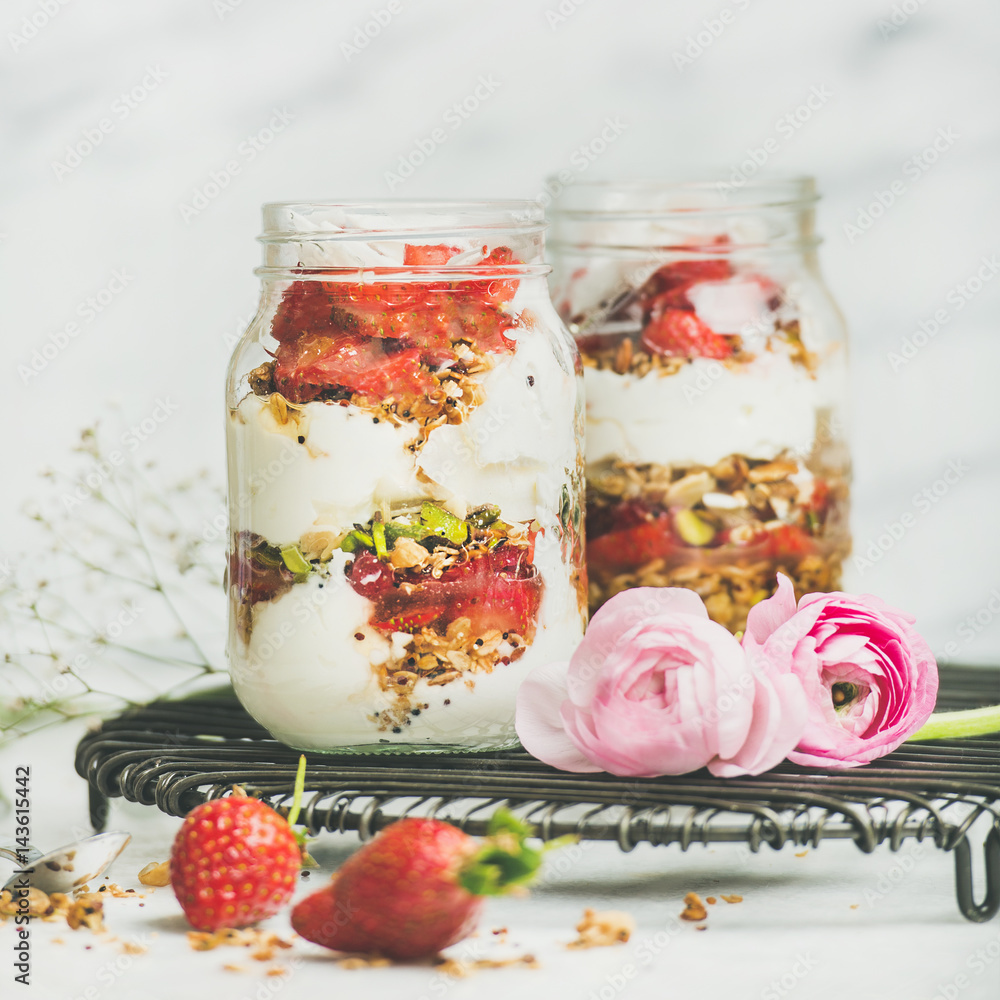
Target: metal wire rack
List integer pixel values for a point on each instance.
(177, 754)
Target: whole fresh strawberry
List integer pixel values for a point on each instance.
(235, 861)
(416, 888)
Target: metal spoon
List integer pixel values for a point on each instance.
(68, 867)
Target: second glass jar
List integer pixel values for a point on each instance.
(715, 372)
(405, 473)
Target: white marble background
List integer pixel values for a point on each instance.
(207, 76)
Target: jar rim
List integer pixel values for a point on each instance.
(706, 196)
(398, 219)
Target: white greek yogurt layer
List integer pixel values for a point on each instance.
(517, 446)
(328, 480)
(307, 677)
(704, 412)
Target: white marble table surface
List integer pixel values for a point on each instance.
(831, 924)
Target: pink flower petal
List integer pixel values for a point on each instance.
(770, 614)
(538, 723)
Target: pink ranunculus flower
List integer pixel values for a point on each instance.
(871, 680)
(656, 687)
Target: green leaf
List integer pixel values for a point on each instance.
(504, 861)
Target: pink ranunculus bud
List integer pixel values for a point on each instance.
(871, 680)
(655, 688)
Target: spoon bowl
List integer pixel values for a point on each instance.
(66, 868)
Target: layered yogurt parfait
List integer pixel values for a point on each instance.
(714, 366)
(405, 477)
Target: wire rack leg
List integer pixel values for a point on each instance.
(98, 809)
(988, 908)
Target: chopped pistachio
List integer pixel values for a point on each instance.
(483, 517)
(295, 561)
(692, 528)
(378, 537)
(443, 523)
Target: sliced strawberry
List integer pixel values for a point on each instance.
(370, 577)
(422, 256)
(496, 290)
(676, 333)
(256, 569)
(629, 548)
(500, 590)
(305, 307)
(354, 364)
(411, 620)
(789, 543)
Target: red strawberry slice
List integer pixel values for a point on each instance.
(370, 577)
(256, 571)
(422, 256)
(305, 307)
(496, 290)
(676, 333)
(500, 590)
(629, 548)
(411, 620)
(667, 288)
(789, 543)
(357, 365)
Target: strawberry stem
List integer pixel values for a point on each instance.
(505, 861)
(956, 725)
(300, 787)
(300, 834)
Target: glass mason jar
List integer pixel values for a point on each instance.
(715, 371)
(405, 476)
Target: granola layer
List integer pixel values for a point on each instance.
(724, 531)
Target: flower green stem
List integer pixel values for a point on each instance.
(956, 725)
